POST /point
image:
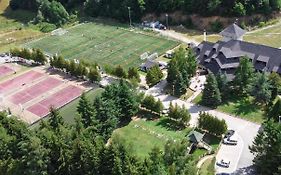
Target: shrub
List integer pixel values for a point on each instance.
(216, 26)
(46, 27)
(212, 124)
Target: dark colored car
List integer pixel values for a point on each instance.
(229, 133)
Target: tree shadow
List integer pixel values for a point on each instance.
(147, 115)
(22, 16)
(245, 106)
(170, 125)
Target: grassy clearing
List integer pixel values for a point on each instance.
(208, 167)
(105, 44)
(143, 135)
(241, 107)
(13, 28)
(68, 112)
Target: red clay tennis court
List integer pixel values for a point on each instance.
(35, 91)
(56, 100)
(20, 81)
(4, 70)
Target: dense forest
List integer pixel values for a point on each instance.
(59, 11)
(58, 148)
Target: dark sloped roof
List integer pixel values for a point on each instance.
(225, 55)
(233, 30)
(195, 136)
(149, 64)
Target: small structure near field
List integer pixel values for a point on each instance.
(195, 137)
(148, 65)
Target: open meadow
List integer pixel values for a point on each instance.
(13, 27)
(104, 44)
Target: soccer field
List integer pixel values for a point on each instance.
(104, 44)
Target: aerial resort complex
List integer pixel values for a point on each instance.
(140, 87)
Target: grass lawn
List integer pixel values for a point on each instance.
(68, 112)
(198, 153)
(208, 167)
(144, 135)
(104, 44)
(243, 107)
(13, 29)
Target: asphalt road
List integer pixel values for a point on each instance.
(239, 155)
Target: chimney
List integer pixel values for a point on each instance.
(205, 35)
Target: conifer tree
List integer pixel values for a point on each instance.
(261, 88)
(211, 95)
(86, 110)
(244, 75)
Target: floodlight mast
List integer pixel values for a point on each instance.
(129, 8)
(167, 20)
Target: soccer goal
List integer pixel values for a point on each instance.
(144, 56)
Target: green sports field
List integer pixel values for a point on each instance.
(104, 44)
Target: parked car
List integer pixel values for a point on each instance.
(229, 133)
(228, 141)
(223, 163)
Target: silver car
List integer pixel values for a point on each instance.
(223, 163)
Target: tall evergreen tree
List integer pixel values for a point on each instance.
(86, 110)
(261, 88)
(222, 84)
(275, 111)
(211, 95)
(267, 149)
(244, 75)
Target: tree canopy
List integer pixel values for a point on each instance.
(267, 149)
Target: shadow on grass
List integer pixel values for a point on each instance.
(22, 16)
(147, 115)
(170, 124)
(245, 106)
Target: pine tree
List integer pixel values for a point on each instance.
(180, 86)
(211, 96)
(119, 72)
(55, 119)
(153, 76)
(94, 75)
(244, 75)
(261, 88)
(172, 72)
(158, 106)
(275, 111)
(222, 84)
(266, 148)
(191, 64)
(133, 74)
(86, 110)
(156, 165)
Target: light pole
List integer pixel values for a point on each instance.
(129, 8)
(167, 22)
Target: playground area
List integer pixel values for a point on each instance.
(30, 94)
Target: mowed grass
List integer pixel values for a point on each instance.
(208, 167)
(13, 27)
(104, 44)
(240, 107)
(142, 135)
(69, 111)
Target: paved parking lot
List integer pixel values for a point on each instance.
(230, 153)
(240, 156)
